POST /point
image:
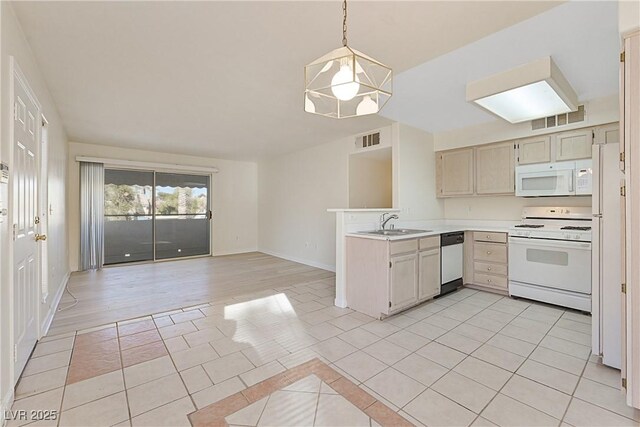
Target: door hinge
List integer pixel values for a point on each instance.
(15, 111)
(390, 264)
(15, 353)
(624, 288)
(621, 56)
(15, 227)
(623, 191)
(624, 383)
(37, 220)
(210, 214)
(622, 157)
(389, 304)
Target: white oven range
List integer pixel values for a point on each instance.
(550, 256)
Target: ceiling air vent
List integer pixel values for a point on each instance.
(370, 140)
(559, 120)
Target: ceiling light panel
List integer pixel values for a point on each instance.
(528, 92)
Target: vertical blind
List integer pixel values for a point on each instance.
(91, 215)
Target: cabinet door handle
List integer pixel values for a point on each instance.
(488, 268)
(488, 280)
(488, 252)
(488, 237)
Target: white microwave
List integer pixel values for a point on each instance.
(555, 179)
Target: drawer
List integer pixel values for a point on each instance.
(479, 236)
(486, 268)
(403, 246)
(430, 242)
(492, 252)
(490, 280)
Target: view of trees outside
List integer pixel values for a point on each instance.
(125, 200)
(181, 200)
(134, 200)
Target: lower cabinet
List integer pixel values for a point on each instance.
(429, 274)
(385, 277)
(488, 259)
(403, 289)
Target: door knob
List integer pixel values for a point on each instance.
(41, 237)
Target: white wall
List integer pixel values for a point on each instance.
(371, 180)
(503, 207)
(234, 196)
(629, 16)
(15, 44)
(415, 170)
(294, 192)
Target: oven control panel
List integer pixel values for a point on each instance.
(580, 236)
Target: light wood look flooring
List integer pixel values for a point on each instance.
(124, 292)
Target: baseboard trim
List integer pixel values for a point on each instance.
(235, 252)
(300, 260)
(7, 402)
(46, 324)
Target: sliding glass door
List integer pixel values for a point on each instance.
(128, 216)
(155, 215)
(182, 215)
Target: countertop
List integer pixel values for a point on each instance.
(438, 230)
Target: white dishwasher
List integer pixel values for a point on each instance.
(452, 262)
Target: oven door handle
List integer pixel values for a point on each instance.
(524, 241)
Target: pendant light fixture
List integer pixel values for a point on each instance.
(346, 82)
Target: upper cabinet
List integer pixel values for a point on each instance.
(536, 149)
(495, 166)
(573, 145)
(487, 169)
(454, 172)
(490, 168)
(607, 134)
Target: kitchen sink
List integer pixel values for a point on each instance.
(394, 232)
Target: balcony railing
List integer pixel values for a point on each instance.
(129, 238)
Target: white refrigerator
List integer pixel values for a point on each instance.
(606, 252)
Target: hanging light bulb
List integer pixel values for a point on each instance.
(309, 106)
(367, 106)
(347, 82)
(343, 85)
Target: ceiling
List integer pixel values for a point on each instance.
(581, 36)
(224, 79)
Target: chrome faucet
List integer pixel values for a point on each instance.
(384, 221)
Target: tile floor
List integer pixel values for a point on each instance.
(470, 358)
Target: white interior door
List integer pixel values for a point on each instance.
(25, 206)
(610, 256)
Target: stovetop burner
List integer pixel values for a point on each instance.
(529, 226)
(573, 227)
